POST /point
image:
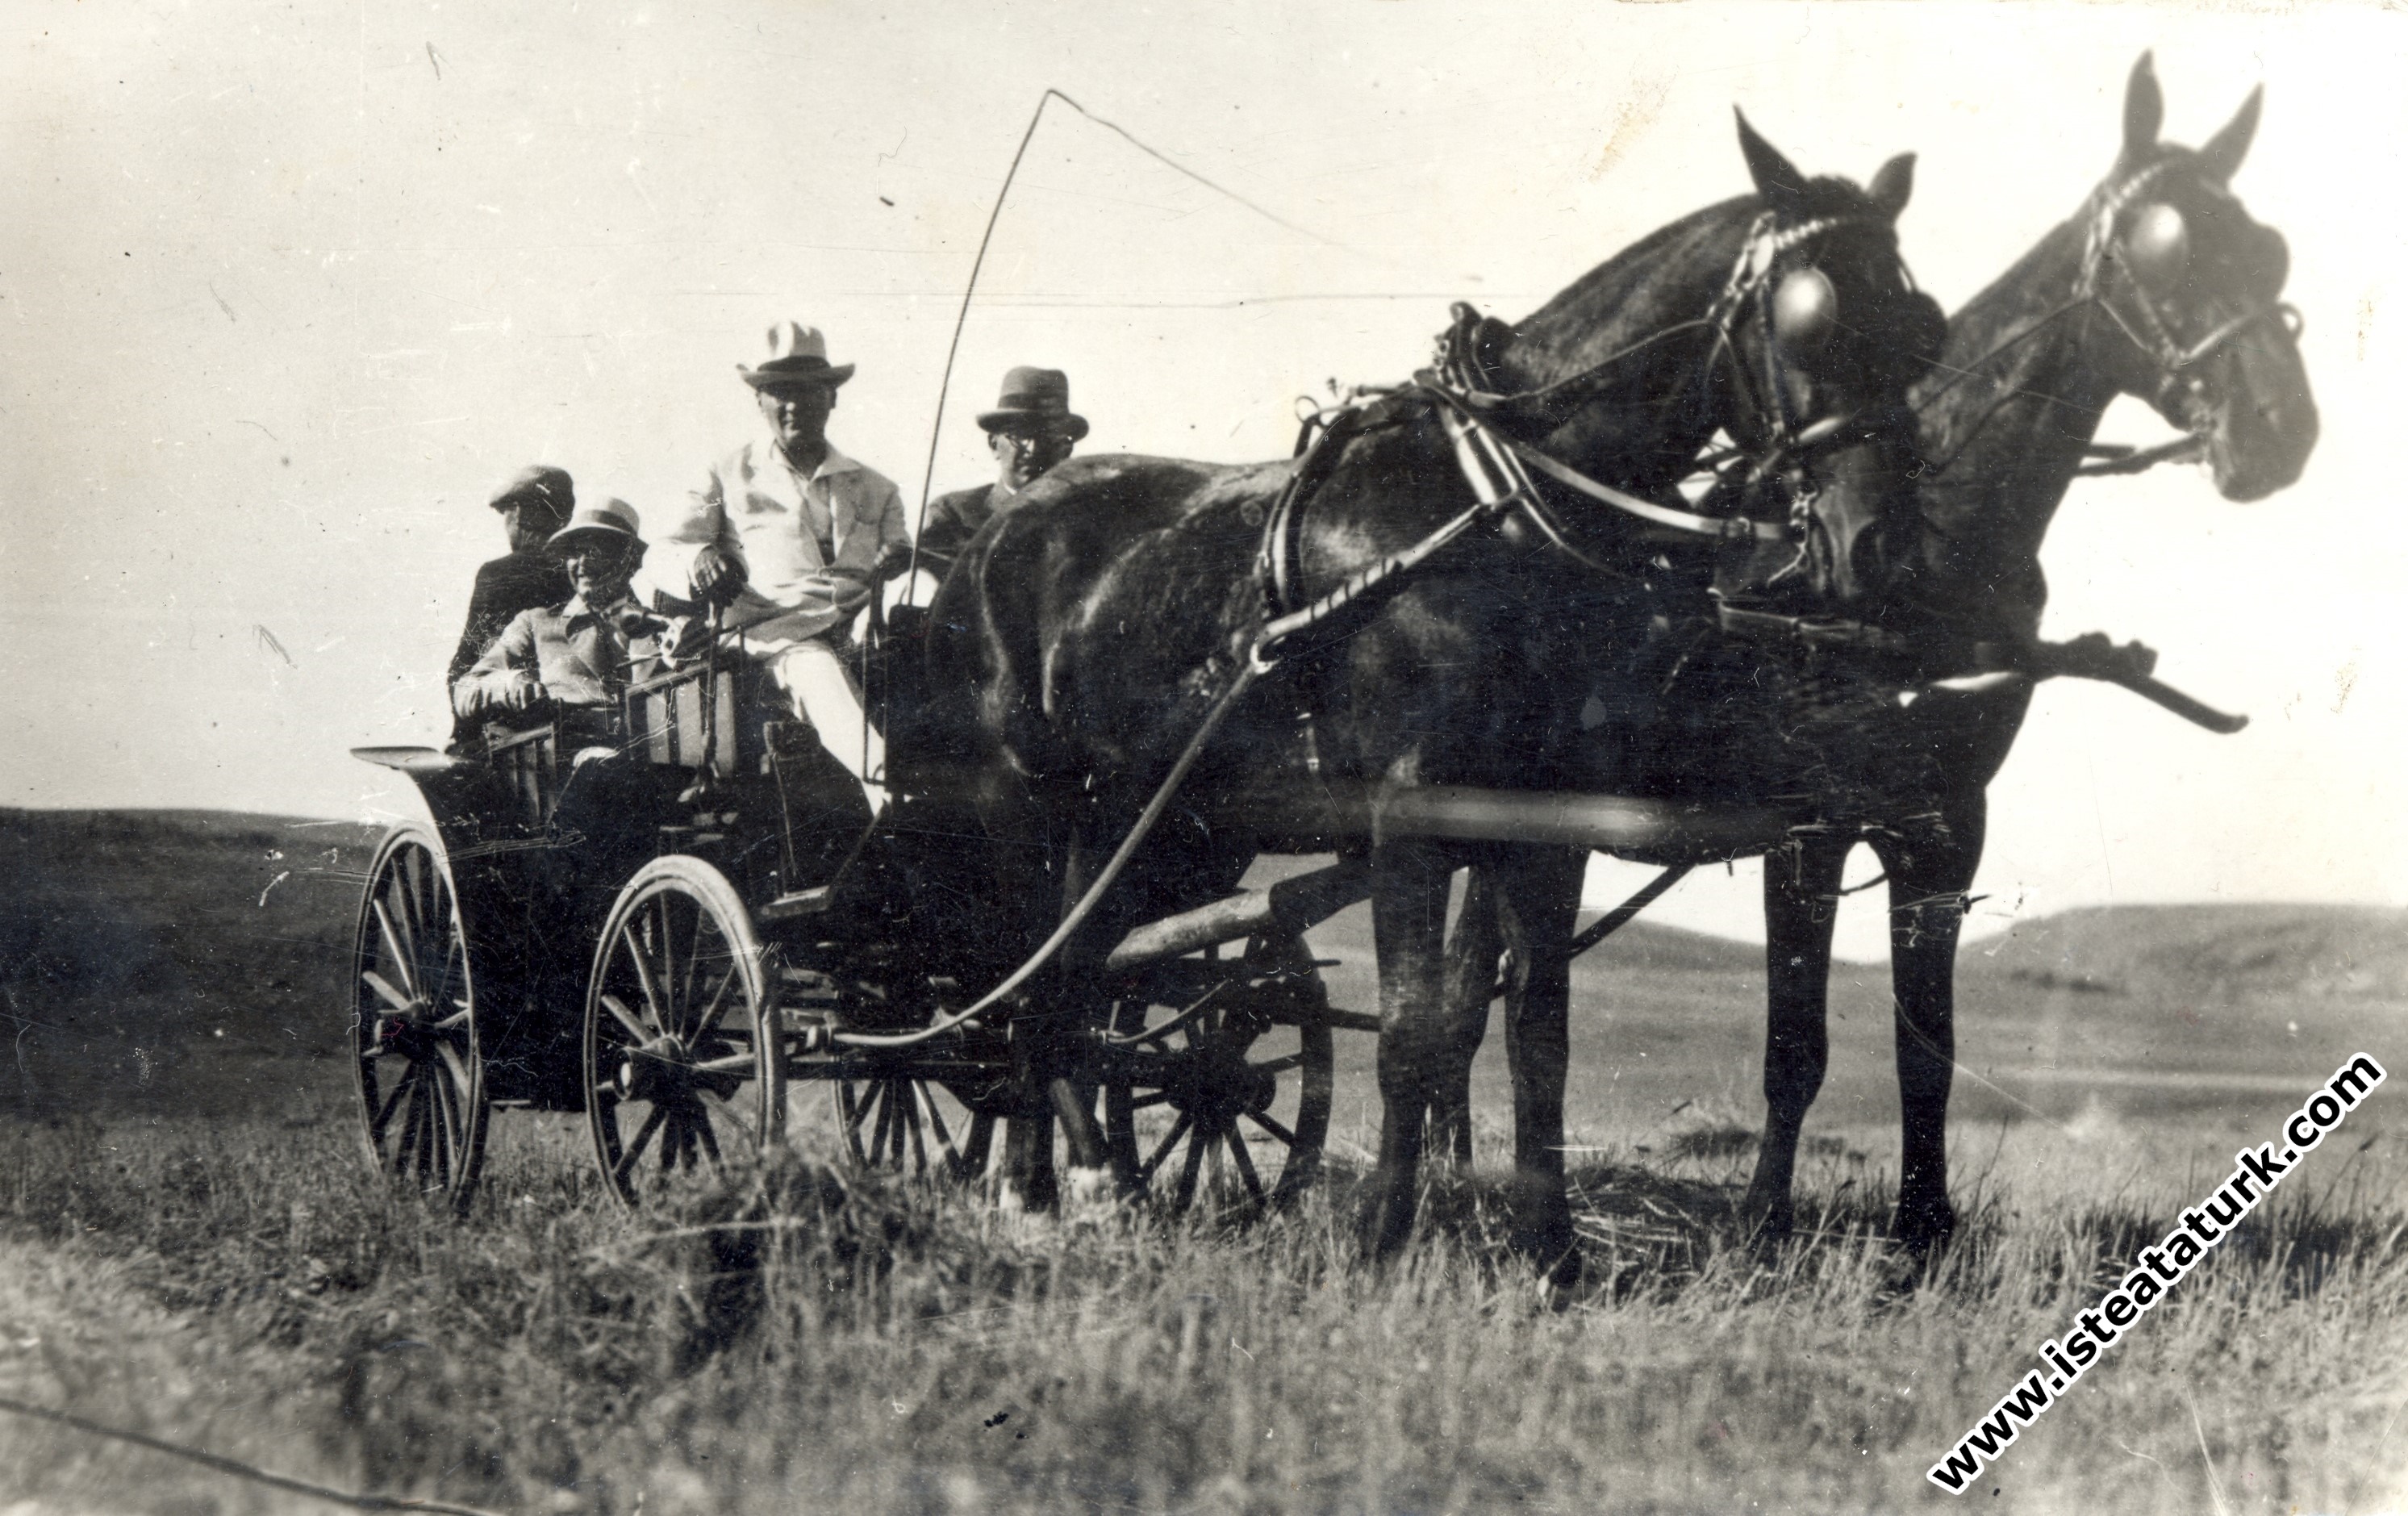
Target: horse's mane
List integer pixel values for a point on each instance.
(1566, 334)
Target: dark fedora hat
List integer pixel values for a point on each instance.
(1034, 400)
(798, 358)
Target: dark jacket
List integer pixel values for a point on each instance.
(505, 587)
(953, 521)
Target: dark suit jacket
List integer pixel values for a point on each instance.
(953, 521)
(505, 587)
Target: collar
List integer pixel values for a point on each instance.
(835, 463)
(616, 611)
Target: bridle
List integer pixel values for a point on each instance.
(2145, 326)
(1499, 465)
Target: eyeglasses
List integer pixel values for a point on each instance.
(1034, 442)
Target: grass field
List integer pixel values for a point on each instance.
(191, 1247)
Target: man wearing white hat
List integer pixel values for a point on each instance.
(1031, 429)
(794, 536)
(575, 657)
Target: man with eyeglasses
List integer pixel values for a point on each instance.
(1031, 429)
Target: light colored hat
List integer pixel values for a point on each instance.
(1034, 399)
(613, 517)
(538, 481)
(798, 357)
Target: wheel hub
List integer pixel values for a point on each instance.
(660, 1069)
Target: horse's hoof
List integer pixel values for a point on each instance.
(1924, 1231)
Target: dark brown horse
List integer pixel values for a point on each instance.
(2160, 286)
(1096, 622)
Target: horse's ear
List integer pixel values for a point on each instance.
(1776, 178)
(2223, 152)
(1893, 185)
(2144, 109)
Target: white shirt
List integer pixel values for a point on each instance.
(756, 507)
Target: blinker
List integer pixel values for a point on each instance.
(2157, 249)
(1805, 308)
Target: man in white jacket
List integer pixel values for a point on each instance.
(794, 537)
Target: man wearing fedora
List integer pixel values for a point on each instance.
(793, 536)
(1031, 429)
(531, 505)
(575, 657)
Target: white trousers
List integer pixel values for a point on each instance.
(822, 689)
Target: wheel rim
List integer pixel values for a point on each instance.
(676, 1028)
(414, 1025)
(1223, 1098)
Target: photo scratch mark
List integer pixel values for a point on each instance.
(2344, 680)
(271, 886)
(1632, 119)
(435, 58)
(266, 640)
(230, 314)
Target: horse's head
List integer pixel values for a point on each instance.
(2196, 284)
(1818, 335)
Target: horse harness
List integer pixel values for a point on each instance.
(1460, 386)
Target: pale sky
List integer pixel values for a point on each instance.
(287, 289)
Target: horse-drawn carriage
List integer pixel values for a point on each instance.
(664, 929)
(681, 928)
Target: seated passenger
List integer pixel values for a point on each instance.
(1031, 429)
(574, 658)
(532, 507)
(795, 537)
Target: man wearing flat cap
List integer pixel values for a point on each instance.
(793, 536)
(573, 659)
(532, 507)
(1031, 429)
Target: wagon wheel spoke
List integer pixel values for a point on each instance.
(709, 1019)
(391, 996)
(951, 1155)
(1177, 1129)
(664, 964)
(640, 955)
(635, 1145)
(1237, 1143)
(400, 1092)
(455, 1065)
(403, 963)
(1269, 1124)
(977, 1147)
(1185, 1195)
(910, 1092)
(452, 1022)
(627, 1019)
(699, 1119)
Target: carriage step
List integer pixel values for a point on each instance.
(808, 902)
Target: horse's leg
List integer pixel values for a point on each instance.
(1472, 949)
(1800, 884)
(1930, 872)
(1409, 889)
(1538, 897)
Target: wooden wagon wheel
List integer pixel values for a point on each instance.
(1220, 1083)
(414, 1050)
(684, 1072)
(907, 1125)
